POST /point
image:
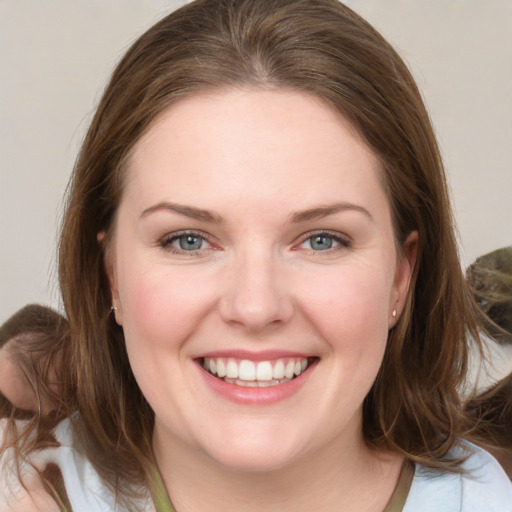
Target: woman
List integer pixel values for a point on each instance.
(261, 279)
(490, 279)
(492, 410)
(29, 340)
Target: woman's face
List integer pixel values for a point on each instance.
(254, 238)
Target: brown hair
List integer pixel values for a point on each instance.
(490, 279)
(322, 48)
(492, 425)
(31, 318)
(34, 339)
(35, 342)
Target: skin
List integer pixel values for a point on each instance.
(33, 498)
(255, 158)
(15, 386)
(13, 383)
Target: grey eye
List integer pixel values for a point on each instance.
(321, 242)
(190, 242)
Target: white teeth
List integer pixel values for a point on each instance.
(255, 374)
(289, 370)
(232, 369)
(247, 370)
(257, 383)
(264, 371)
(221, 368)
(278, 370)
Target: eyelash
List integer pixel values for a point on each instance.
(342, 241)
(166, 242)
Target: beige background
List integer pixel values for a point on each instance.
(55, 56)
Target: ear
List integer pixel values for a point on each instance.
(404, 271)
(109, 269)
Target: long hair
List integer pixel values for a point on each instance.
(490, 410)
(321, 48)
(35, 344)
(34, 340)
(490, 279)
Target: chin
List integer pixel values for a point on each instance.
(258, 453)
(261, 461)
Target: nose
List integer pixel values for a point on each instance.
(256, 296)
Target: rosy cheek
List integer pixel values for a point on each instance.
(351, 308)
(153, 310)
(164, 305)
(147, 306)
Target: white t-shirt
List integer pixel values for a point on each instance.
(85, 489)
(484, 487)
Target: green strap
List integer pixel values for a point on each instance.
(159, 494)
(396, 503)
(399, 497)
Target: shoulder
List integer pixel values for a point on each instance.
(81, 484)
(483, 486)
(486, 485)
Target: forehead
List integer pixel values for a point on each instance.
(252, 143)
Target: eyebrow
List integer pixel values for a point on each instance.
(303, 216)
(326, 210)
(187, 211)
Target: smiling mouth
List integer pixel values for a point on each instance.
(246, 373)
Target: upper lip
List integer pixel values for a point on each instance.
(263, 355)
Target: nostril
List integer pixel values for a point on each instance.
(256, 301)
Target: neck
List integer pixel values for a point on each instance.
(342, 475)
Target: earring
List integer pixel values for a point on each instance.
(394, 313)
(113, 308)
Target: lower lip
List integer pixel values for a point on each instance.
(256, 396)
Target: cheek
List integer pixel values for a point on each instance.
(158, 312)
(161, 312)
(162, 304)
(351, 309)
(350, 315)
